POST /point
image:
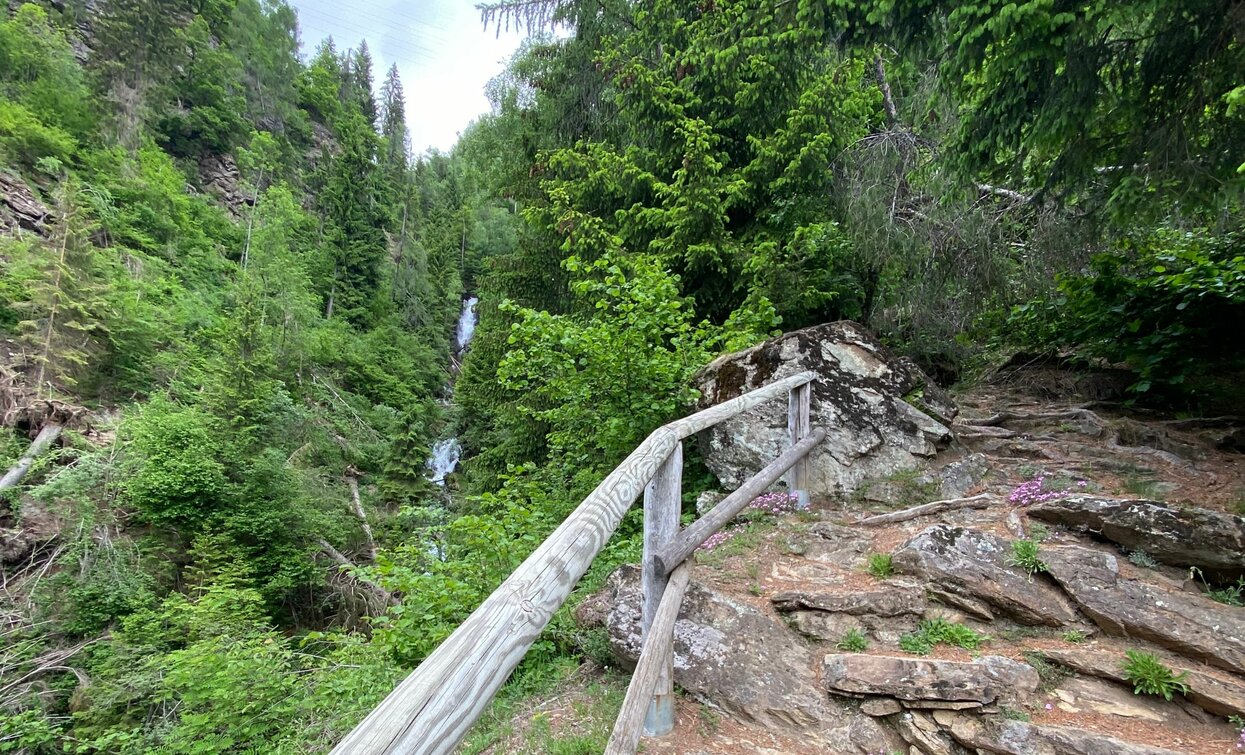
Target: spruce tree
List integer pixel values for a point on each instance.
(361, 76)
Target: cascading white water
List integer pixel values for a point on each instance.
(447, 451)
(466, 325)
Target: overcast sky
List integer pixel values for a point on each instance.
(444, 55)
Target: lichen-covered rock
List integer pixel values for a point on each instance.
(748, 664)
(909, 680)
(974, 564)
(1190, 624)
(1182, 536)
(880, 412)
(728, 652)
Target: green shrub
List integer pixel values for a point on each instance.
(1073, 635)
(853, 641)
(1232, 595)
(1168, 303)
(23, 137)
(1149, 676)
(1143, 560)
(880, 565)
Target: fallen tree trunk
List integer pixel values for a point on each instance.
(337, 556)
(979, 501)
(356, 505)
(46, 437)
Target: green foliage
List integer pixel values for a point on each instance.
(853, 641)
(934, 631)
(880, 565)
(178, 478)
(1025, 555)
(1073, 635)
(1149, 676)
(1232, 595)
(1166, 304)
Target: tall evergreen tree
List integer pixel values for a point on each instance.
(361, 74)
(393, 117)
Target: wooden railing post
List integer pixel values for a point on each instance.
(662, 504)
(798, 404)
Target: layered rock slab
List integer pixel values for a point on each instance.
(1210, 693)
(1189, 624)
(1022, 738)
(918, 680)
(973, 565)
(1181, 536)
(859, 400)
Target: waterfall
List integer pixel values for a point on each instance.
(447, 451)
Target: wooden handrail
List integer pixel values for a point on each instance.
(431, 710)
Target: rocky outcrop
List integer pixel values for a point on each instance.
(221, 177)
(1022, 738)
(973, 566)
(1211, 693)
(1190, 624)
(1182, 536)
(742, 659)
(880, 413)
(747, 664)
(892, 601)
(919, 682)
(19, 209)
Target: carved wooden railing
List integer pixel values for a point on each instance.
(432, 709)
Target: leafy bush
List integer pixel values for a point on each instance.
(27, 139)
(177, 479)
(1143, 560)
(1149, 676)
(1170, 304)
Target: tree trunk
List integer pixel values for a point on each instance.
(45, 438)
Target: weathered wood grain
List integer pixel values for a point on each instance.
(707, 418)
(798, 407)
(658, 646)
(662, 504)
(698, 531)
(434, 707)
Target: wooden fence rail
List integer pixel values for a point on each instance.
(430, 711)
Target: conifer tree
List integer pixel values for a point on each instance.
(64, 315)
(393, 117)
(361, 74)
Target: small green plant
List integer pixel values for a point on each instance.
(1232, 595)
(710, 720)
(1238, 723)
(881, 566)
(1049, 674)
(1148, 675)
(935, 631)
(1039, 532)
(1143, 560)
(1073, 636)
(853, 641)
(1025, 556)
(1013, 714)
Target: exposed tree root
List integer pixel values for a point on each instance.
(979, 501)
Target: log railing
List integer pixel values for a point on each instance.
(431, 710)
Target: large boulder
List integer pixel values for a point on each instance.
(1187, 623)
(881, 413)
(1178, 535)
(728, 652)
(970, 567)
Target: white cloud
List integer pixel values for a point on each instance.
(444, 55)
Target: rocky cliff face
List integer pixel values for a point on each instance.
(881, 414)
